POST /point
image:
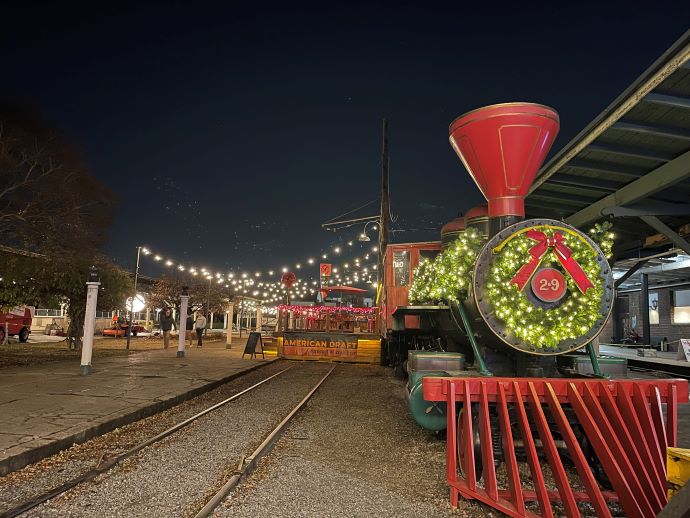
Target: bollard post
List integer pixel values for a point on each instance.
(89, 321)
(184, 302)
(228, 338)
(259, 318)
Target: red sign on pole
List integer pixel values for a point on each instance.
(325, 269)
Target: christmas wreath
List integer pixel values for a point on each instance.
(515, 261)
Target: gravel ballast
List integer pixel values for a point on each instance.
(35, 479)
(354, 451)
(177, 475)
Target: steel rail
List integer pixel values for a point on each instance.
(249, 464)
(111, 463)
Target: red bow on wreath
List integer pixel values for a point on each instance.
(564, 254)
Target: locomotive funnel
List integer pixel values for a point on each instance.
(502, 147)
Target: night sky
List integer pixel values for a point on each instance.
(231, 133)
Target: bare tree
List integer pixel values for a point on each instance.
(51, 204)
(166, 292)
(48, 198)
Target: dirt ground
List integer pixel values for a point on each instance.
(17, 354)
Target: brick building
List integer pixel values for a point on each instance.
(669, 314)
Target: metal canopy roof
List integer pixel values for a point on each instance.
(668, 269)
(632, 162)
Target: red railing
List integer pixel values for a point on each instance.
(622, 420)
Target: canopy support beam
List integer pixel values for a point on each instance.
(660, 226)
(657, 180)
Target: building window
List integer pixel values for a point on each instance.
(44, 312)
(429, 254)
(681, 307)
(401, 267)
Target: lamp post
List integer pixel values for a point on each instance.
(228, 338)
(184, 302)
(363, 236)
(89, 320)
(208, 305)
(134, 297)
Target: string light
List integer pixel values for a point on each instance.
(448, 276)
(545, 328)
(226, 278)
(601, 234)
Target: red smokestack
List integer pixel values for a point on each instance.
(503, 146)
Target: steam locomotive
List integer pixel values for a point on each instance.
(505, 295)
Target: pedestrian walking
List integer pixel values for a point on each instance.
(189, 327)
(199, 325)
(166, 325)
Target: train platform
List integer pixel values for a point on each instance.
(653, 360)
(48, 407)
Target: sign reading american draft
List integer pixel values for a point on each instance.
(320, 344)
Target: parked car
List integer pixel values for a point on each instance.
(18, 322)
(121, 330)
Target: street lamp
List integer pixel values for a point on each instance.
(134, 297)
(363, 236)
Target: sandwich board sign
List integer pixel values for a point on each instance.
(683, 350)
(250, 346)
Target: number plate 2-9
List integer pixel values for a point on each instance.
(549, 285)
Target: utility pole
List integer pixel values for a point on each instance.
(384, 224)
(131, 308)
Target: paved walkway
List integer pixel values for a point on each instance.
(46, 408)
(662, 360)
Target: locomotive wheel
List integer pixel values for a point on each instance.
(476, 441)
(593, 461)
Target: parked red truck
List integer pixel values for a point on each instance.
(17, 322)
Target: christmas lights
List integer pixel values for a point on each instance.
(601, 234)
(318, 310)
(448, 276)
(539, 326)
(359, 271)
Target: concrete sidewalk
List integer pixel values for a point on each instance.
(47, 408)
(663, 361)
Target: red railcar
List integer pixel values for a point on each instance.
(400, 261)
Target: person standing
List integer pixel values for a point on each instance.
(166, 326)
(189, 327)
(199, 325)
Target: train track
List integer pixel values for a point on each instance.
(246, 466)
(249, 464)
